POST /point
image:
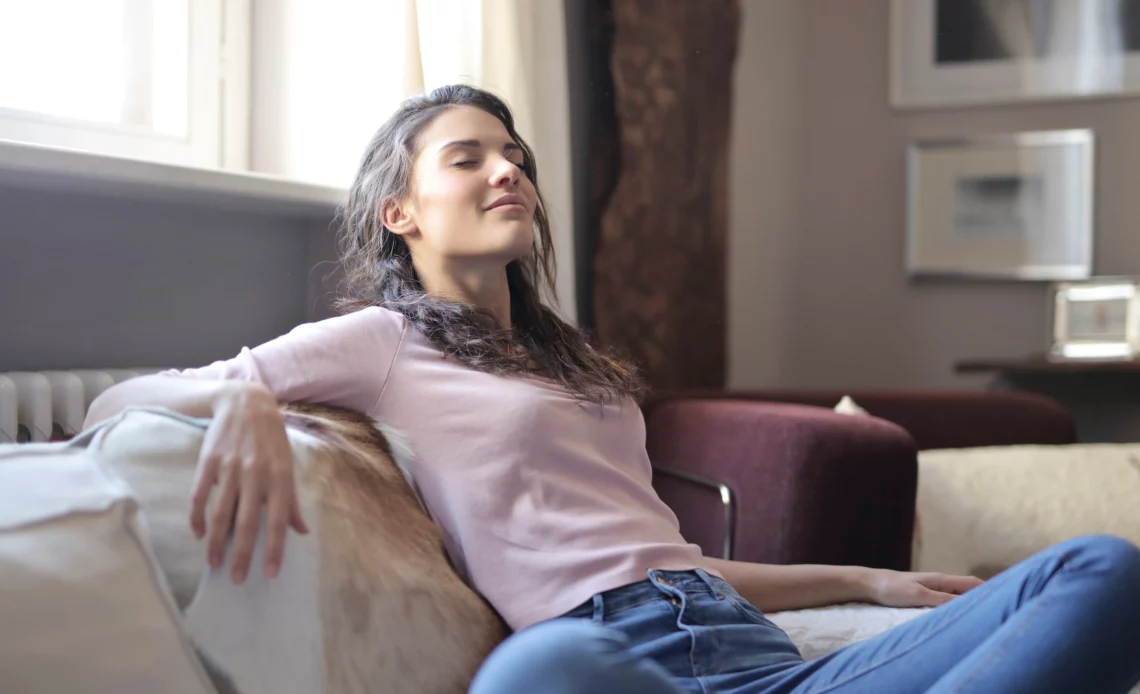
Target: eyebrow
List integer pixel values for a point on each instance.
(508, 147)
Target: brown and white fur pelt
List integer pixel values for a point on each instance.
(394, 617)
(376, 536)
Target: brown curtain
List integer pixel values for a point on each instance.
(659, 250)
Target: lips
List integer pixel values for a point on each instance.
(508, 200)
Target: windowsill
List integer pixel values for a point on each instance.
(50, 168)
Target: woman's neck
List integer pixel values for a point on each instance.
(484, 288)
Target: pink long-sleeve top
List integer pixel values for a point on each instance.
(543, 500)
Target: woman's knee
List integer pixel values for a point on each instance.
(566, 656)
(1105, 552)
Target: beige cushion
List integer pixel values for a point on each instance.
(83, 603)
(985, 509)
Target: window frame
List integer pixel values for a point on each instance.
(218, 103)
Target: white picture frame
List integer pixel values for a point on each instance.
(974, 52)
(1095, 320)
(1006, 206)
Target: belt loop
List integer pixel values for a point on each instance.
(599, 609)
(708, 581)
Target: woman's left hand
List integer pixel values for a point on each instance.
(903, 589)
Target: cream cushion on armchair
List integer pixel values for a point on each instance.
(982, 510)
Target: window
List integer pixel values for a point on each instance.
(133, 78)
(289, 88)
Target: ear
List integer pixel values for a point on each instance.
(396, 217)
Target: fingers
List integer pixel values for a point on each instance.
(959, 584)
(950, 584)
(221, 516)
(248, 520)
(296, 521)
(280, 504)
(204, 478)
(933, 598)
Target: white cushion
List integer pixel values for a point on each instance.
(83, 605)
(821, 630)
(985, 509)
(262, 636)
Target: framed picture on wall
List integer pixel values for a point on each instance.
(963, 52)
(1095, 319)
(1017, 206)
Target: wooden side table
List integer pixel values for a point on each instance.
(1103, 396)
(1041, 365)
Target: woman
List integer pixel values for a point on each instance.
(531, 457)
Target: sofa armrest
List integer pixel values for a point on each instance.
(806, 485)
(934, 418)
(727, 544)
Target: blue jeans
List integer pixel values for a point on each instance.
(1065, 620)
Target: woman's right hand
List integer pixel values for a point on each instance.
(246, 454)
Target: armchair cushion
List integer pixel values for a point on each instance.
(985, 509)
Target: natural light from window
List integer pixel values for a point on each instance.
(116, 62)
(345, 66)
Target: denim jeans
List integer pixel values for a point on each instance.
(1066, 620)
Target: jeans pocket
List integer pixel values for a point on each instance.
(747, 610)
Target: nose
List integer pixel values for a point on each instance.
(506, 173)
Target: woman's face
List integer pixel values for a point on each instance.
(469, 200)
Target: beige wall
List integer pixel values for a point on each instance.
(818, 294)
(764, 172)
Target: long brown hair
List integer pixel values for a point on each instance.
(379, 271)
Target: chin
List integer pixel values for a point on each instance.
(518, 242)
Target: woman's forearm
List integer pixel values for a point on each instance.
(196, 398)
(773, 587)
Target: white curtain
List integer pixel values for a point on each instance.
(326, 74)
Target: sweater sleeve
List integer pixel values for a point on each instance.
(341, 361)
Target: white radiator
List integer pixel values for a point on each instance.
(51, 405)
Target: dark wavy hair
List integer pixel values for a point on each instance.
(379, 272)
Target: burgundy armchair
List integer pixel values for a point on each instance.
(778, 477)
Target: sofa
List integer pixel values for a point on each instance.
(754, 476)
(777, 476)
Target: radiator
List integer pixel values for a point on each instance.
(51, 405)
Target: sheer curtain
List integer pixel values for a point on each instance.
(325, 75)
